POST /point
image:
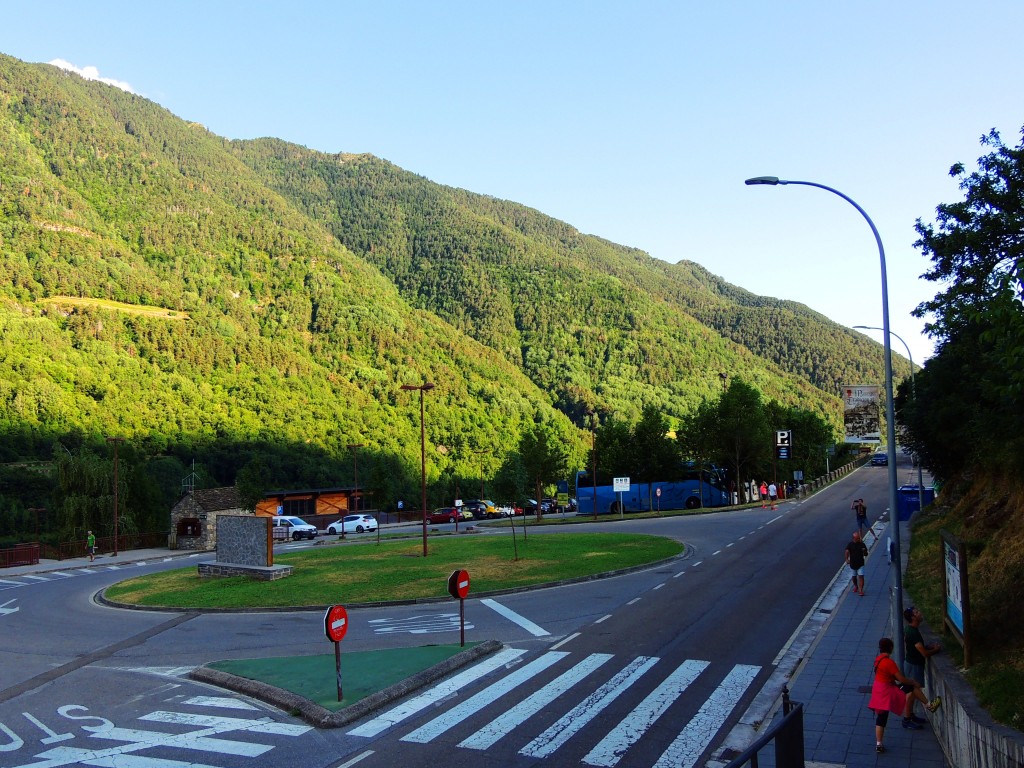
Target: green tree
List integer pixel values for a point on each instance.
(968, 395)
(545, 457)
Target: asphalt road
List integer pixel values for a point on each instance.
(645, 669)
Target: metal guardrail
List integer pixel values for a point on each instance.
(19, 554)
(787, 734)
(105, 545)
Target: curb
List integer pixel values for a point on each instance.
(318, 716)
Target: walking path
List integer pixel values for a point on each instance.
(834, 683)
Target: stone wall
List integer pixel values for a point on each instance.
(244, 540)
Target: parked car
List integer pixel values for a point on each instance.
(880, 460)
(481, 508)
(449, 515)
(294, 528)
(510, 510)
(546, 505)
(353, 524)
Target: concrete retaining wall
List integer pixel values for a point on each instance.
(969, 737)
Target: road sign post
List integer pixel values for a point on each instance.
(458, 587)
(620, 485)
(335, 627)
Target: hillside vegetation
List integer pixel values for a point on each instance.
(254, 307)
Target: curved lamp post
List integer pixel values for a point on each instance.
(424, 387)
(890, 417)
(913, 389)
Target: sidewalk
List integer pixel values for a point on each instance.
(104, 560)
(834, 684)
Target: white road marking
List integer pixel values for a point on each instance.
(119, 761)
(86, 570)
(4, 610)
(678, 574)
(697, 563)
(261, 725)
(222, 702)
(774, 519)
(659, 586)
(515, 618)
(201, 740)
(698, 733)
(357, 759)
(533, 703)
(60, 573)
(33, 578)
(634, 600)
(603, 618)
(12, 583)
(483, 700)
(437, 693)
(419, 625)
(613, 746)
(716, 553)
(575, 719)
(564, 640)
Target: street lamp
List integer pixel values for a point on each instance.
(115, 441)
(354, 447)
(894, 520)
(424, 387)
(913, 389)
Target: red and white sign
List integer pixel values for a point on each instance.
(458, 584)
(336, 623)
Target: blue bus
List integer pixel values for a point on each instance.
(698, 489)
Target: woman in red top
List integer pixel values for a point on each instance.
(892, 692)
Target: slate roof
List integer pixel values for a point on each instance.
(217, 499)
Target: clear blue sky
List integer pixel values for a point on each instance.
(635, 121)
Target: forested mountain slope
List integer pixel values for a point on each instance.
(601, 326)
(276, 333)
(300, 289)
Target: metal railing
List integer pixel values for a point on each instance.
(788, 735)
(19, 554)
(105, 544)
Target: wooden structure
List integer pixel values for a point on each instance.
(317, 506)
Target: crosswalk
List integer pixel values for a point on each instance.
(11, 581)
(454, 719)
(170, 738)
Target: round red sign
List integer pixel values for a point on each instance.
(336, 623)
(458, 584)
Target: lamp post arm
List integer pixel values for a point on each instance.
(890, 417)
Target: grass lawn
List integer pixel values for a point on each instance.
(369, 572)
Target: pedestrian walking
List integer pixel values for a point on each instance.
(856, 554)
(764, 494)
(891, 691)
(861, 511)
(915, 651)
(773, 493)
(90, 546)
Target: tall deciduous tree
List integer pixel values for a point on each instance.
(545, 457)
(969, 393)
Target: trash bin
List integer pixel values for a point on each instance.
(907, 500)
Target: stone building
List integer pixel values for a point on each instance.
(194, 517)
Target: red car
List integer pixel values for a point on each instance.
(449, 515)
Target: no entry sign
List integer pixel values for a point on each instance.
(336, 623)
(458, 584)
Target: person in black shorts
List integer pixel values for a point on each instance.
(856, 554)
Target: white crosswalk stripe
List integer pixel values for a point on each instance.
(575, 719)
(611, 748)
(439, 692)
(485, 698)
(606, 748)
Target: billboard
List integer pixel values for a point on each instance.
(861, 413)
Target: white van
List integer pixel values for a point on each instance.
(294, 528)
